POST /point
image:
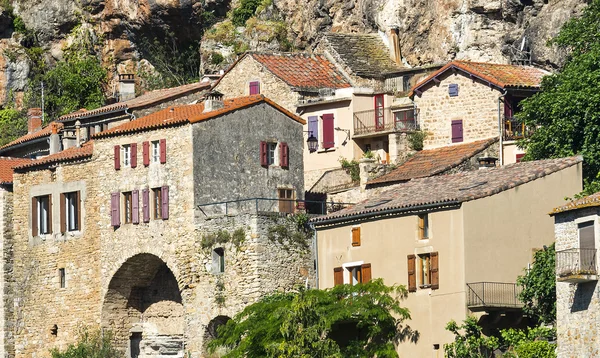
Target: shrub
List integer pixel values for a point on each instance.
(351, 167)
(245, 11)
(91, 344)
(415, 140)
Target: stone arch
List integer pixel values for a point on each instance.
(143, 308)
(210, 332)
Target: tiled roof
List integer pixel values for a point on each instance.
(434, 161)
(365, 54)
(45, 132)
(190, 114)
(451, 189)
(146, 99)
(74, 153)
(6, 168)
(302, 70)
(502, 76)
(585, 202)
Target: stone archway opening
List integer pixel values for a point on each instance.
(144, 310)
(211, 332)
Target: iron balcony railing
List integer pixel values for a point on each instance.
(515, 129)
(383, 120)
(493, 295)
(576, 262)
(268, 206)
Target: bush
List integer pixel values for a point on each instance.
(91, 344)
(415, 140)
(245, 11)
(13, 124)
(351, 167)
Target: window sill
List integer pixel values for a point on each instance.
(355, 245)
(424, 286)
(326, 150)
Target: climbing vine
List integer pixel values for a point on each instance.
(222, 237)
(294, 233)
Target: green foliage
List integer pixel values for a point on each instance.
(415, 140)
(566, 112)
(19, 25)
(222, 237)
(469, 342)
(539, 287)
(293, 234)
(351, 167)
(220, 292)
(13, 124)
(216, 58)
(310, 323)
(369, 155)
(244, 11)
(91, 344)
(530, 343)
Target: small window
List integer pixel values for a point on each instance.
(271, 149)
(126, 149)
(424, 270)
(128, 207)
(359, 274)
(254, 87)
(71, 207)
(62, 278)
(453, 90)
(155, 154)
(41, 215)
(157, 203)
(356, 236)
(286, 201)
(218, 257)
(423, 226)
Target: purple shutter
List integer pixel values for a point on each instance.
(117, 149)
(263, 153)
(146, 153)
(146, 205)
(508, 110)
(328, 133)
(115, 215)
(164, 192)
(163, 151)
(457, 131)
(254, 87)
(284, 154)
(133, 155)
(135, 207)
(313, 126)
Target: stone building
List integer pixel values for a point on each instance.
(159, 229)
(457, 242)
(576, 229)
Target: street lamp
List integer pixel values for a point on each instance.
(313, 143)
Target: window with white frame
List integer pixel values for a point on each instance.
(72, 211)
(126, 149)
(271, 149)
(155, 153)
(42, 215)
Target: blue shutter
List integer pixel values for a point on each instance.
(453, 90)
(313, 127)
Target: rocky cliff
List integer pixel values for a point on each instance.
(125, 32)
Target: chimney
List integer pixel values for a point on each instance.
(394, 40)
(213, 101)
(34, 120)
(77, 133)
(54, 139)
(126, 87)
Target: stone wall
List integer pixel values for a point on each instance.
(476, 105)
(235, 83)
(6, 304)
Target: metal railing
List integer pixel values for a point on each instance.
(493, 295)
(572, 262)
(367, 122)
(515, 129)
(268, 206)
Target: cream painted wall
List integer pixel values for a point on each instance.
(510, 152)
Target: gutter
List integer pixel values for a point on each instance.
(500, 128)
(85, 115)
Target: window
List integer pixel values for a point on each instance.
(128, 207)
(379, 112)
(126, 149)
(157, 203)
(70, 212)
(267, 153)
(356, 236)
(457, 131)
(218, 257)
(424, 270)
(155, 154)
(254, 87)
(423, 267)
(286, 200)
(359, 273)
(405, 120)
(41, 217)
(587, 237)
(423, 226)
(271, 148)
(453, 90)
(62, 278)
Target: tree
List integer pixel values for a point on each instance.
(566, 112)
(539, 287)
(363, 320)
(13, 124)
(470, 344)
(91, 344)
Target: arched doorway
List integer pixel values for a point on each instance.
(143, 308)
(211, 332)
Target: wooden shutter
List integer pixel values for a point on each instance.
(146, 205)
(412, 274)
(135, 207)
(328, 131)
(34, 216)
(313, 126)
(366, 272)
(457, 131)
(263, 153)
(115, 206)
(92, 130)
(146, 153)
(356, 236)
(63, 213)
(163, 151)
(254, 87)
(78, 203)
(117, 157)
(508, 110)
(133, 155)
(164, 192)
(284, 154)
(453, 90)
(434, 271)
(338, 276)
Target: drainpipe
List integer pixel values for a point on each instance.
(500, 128)
(131, 115)
(316, 251)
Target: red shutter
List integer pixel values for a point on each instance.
(254, 87)
(115, 212)
(146, 205)
(163, 151)
(263, 153)
(328, 131)
(63, 213)
(164, 192)
(434, 269)
(34, 217)
(135, 207)
(146, 153)
(117, 157)
(366, 272)
(133, 155)
(284, 153)
(412, 274)
(457, 131)
(338, 276)
(519, 157)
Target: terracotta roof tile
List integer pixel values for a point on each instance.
(189, 114)
(75, 153)
(141, 101)
(45, 132)
(585, 202)
(434, 161)
(302, 71)
(502, 76)
(6, 168)
(451, 189)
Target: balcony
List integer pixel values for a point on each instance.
(269, 207)
(576, 265)
(371, 122)
(493, 296)
(515, 129)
